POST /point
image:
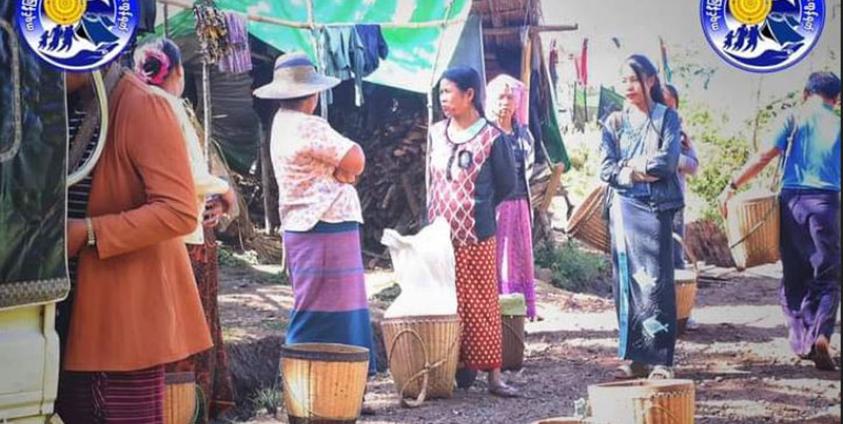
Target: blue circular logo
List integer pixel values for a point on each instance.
(77, 35)
(762, 35)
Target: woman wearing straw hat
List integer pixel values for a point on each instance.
(320, 212)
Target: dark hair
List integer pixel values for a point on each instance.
(294, 103)
(825, 84)
(156, 59)
(644, 68)
(465, 77)
(673, 93)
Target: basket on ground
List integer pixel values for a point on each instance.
(324, 382)
(180, 404)
(587, 224)
(686, 288)
(642, 402)
(422, 352)
(513, 315)
(752, 228)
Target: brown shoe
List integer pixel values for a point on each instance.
(822, 356)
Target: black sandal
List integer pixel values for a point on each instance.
(504, 391)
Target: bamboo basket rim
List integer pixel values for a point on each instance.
(182, 377)
(585, 210)
(650, 387)
(755, 195)
(685, 281)
(418, 318)
(326, 352)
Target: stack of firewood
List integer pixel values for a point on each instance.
(392, 189)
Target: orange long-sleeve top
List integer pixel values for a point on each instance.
(136, 303)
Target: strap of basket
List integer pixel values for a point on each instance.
(424, 373)
(687, 251)
(650, 406)
(512, 331)
(775, 187)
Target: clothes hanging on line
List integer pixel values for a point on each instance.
(351, 52)
(238, 58)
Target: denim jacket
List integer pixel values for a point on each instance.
(662, 156)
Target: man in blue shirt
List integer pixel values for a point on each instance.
(810, 207)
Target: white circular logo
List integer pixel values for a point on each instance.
(762, 35)
(77, 35)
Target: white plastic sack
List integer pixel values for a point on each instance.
(426, 270)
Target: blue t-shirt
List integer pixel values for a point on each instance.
(814, 160)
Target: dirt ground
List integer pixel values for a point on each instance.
(738, 357)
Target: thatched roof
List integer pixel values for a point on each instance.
(510, 14)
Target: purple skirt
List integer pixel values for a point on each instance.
(515, 252)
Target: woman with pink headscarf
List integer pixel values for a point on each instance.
(506, 105)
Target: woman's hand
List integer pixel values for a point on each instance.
(214, 210)
(642, 177)
(77, 236)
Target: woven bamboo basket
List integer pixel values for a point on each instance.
(513, 342)
(422, 353)
(686, 295)
(752, 228)
(180, 406)
(686, 288)
(324, 382)
(642, 402)
(587, 224)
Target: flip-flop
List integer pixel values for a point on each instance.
(504, 391)
(661, 372)
(822, 356)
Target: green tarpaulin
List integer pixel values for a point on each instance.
(412, 51)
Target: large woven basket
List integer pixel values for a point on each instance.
(642, 402)
(686, 288)
(513, 342)
(752, 228)
(422, 353)
(324, 382)
(180, 406)
(587, 224)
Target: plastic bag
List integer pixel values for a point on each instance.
(426, 270)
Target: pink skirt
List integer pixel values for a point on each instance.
(515, 252)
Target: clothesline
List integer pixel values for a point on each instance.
(186, 4)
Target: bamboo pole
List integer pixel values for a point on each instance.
(430, 99)
(186, 4)
(534, 29)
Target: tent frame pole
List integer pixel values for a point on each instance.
(430, 100)
(186, 4)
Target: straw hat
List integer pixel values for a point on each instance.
(295, 76)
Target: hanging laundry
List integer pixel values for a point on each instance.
(146, 20)
(347, 53)
(212, 31)
(375, 46)
(238, 59)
